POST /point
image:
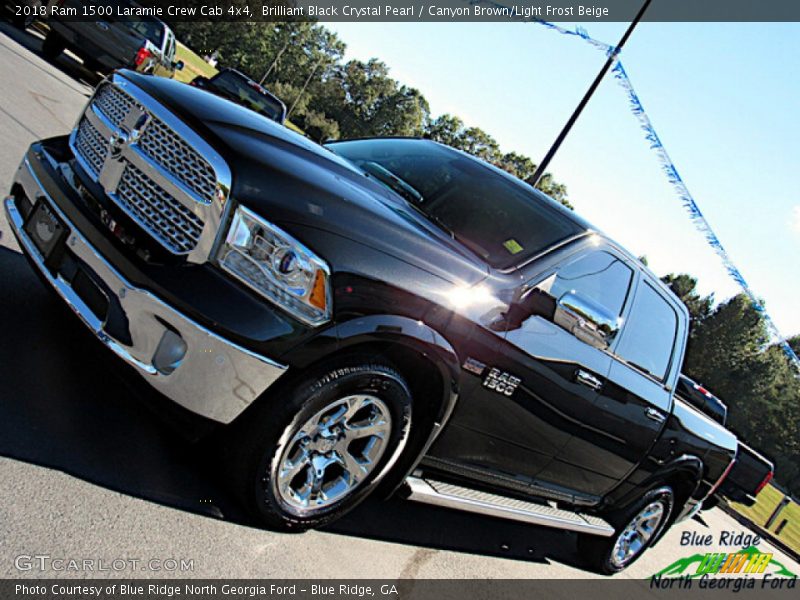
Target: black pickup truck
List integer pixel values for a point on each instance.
(384, 311)
(106, 40)
(238, 87)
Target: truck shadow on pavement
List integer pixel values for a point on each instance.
(32, 38)
(64, 408)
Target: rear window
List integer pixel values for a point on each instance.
(152, 30)
(247, 93)
(649, 335)
(500, 218)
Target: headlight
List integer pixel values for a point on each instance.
(277, 266)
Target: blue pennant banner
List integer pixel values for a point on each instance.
(671, 171)
(688, 202)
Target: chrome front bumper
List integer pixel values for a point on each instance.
(215, 378)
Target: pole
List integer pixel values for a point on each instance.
(584, 101)
(305, 85)
(274, 62)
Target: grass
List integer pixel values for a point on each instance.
(294, 127)
(193, 65)
(765, 505)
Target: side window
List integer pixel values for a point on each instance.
(649, 335)
(599, 277)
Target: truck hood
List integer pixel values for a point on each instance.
(291, 180)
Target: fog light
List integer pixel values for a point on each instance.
(170, 352)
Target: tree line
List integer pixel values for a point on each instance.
(729, 349)
(730, 353)
(329, 98)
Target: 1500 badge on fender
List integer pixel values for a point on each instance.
(501, 382)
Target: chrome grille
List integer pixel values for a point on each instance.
(175, 225)
(114, 103)
(91, 145)
(161, 144)
(153, 167)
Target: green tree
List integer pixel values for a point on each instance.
(794, 343)
(477, 142)
(518, 165)
(366, 101)
(685, 287)
(317, 126)
(730, 354)
(446, 129)
(726, 343)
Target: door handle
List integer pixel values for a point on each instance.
(102, 25)
(587, 379)
(655, 415)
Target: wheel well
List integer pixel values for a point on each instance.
(430, 394)
(683, 483)
(424, 378)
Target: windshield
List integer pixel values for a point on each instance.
(249, 94)
(500, 218)
(151, 29)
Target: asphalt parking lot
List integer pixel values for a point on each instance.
(88, 472)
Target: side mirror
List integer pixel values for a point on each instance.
(586, 320)
(178, 65)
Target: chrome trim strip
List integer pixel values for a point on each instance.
(468, 500)
(97, 118)
(216, 379)
(553, 248)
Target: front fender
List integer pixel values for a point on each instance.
(381, 330)
(375, 332)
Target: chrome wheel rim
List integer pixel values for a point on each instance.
(637, 533)
(333, 452)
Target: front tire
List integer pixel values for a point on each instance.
(636, 528)
(308, 456)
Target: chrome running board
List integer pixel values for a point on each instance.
(438, 493)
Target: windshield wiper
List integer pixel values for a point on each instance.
(392, 181)
(417, 201)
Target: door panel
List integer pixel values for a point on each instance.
(563, 362)
(618, 432)
(631, 411)
(551, 401)
(580, 417)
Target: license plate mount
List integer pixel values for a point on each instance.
(47, 233)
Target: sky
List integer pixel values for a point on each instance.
(723, 97)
